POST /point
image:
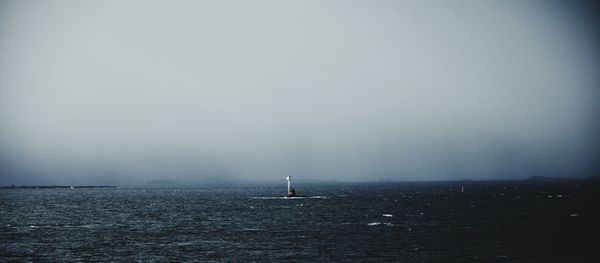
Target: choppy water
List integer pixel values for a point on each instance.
(490, 222)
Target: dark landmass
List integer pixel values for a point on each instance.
(54, 186)
(545, 178)
(595, 178)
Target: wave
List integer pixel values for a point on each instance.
(380, 223)
(285, 197)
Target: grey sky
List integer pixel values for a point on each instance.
(123, 92)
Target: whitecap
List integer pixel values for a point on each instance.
(388, 215)
(379, 223)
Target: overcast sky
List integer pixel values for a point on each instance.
(123, 92)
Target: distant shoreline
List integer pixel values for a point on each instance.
(54, 186)
(530, 180)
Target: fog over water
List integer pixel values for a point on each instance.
(124, 92)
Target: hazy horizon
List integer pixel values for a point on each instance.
(126, 92)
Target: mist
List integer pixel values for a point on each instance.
(125, 92)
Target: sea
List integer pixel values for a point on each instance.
(461, 221)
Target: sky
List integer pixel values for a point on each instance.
(126, 92)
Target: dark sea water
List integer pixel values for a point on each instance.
(402, 222)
